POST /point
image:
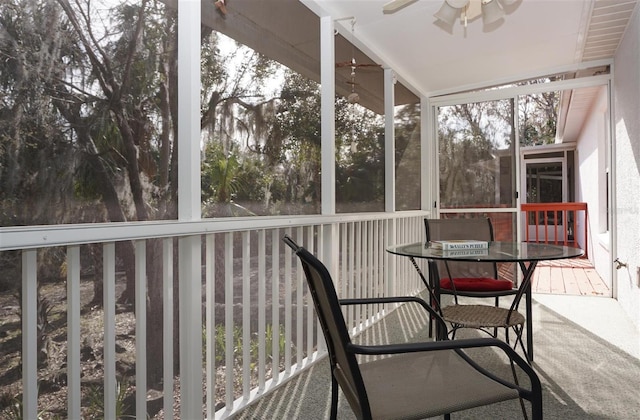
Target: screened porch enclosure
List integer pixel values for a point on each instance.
(150, 167)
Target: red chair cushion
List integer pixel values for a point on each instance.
(477, 284)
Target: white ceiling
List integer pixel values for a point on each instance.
(535, 36)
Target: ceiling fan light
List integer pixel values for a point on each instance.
(447, 14)
(457, 4)
(353, 98)
(491, 12)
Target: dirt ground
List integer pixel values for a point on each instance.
(52, 400)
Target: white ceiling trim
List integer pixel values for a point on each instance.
(497, 94)
(518, 90)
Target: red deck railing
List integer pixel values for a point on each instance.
(557, 223)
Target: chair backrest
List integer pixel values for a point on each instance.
(325, 299)
(478, 229)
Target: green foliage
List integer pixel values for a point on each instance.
(98, 121)
(219, 173)
(470, 136)
(269, 339)
(538, 118)
(95, 397)
(15, 410)
(66, 120)
(219, 343)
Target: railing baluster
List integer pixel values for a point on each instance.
(167, 327)
(376, 261)
(141, 328)
(109, 351)
(565, 224)
(275, 303)
(358, 272)
(262, 308)
(320, 342)
(30, 334)
(299, 303)
(210, 323)
(73, 332)
(311, 319)
(344, 255)
(228, 318)
(370, 269)
(556, 218)
(288, 308)
(350, 280)
(246, 314)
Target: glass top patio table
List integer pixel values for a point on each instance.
(496, 252)
(525, 254)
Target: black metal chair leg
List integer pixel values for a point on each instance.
(334, 398)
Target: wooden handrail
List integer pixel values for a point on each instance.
(555, 229)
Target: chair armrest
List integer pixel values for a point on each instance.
(402, 299)
(458, 346)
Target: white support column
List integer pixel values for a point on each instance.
(327, 114)
(612, 182)
(189, 109)
(428, 161)
(190, 328)
(190, 293)
(328, 128)
(389, 176)
(389, 142)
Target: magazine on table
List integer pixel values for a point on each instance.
(459, 244)
(477, 252)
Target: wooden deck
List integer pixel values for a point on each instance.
(570, 277)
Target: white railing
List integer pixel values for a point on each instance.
(247, 307)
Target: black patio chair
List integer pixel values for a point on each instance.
(464, 278)
(472, 279)
(411, 380)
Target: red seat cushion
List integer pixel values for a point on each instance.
(477, 284)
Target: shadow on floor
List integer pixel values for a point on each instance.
(583, 375)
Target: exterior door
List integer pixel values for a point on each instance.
(545, 181)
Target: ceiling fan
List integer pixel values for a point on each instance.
(395, 5)
(490, 10)
(353, 97)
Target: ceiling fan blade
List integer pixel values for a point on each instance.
(352, 64)
(395, 5)
(221, 6)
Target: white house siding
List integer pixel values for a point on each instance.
(627, 158)
(591, 183)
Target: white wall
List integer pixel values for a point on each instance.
(591, 183)
(627, 160)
